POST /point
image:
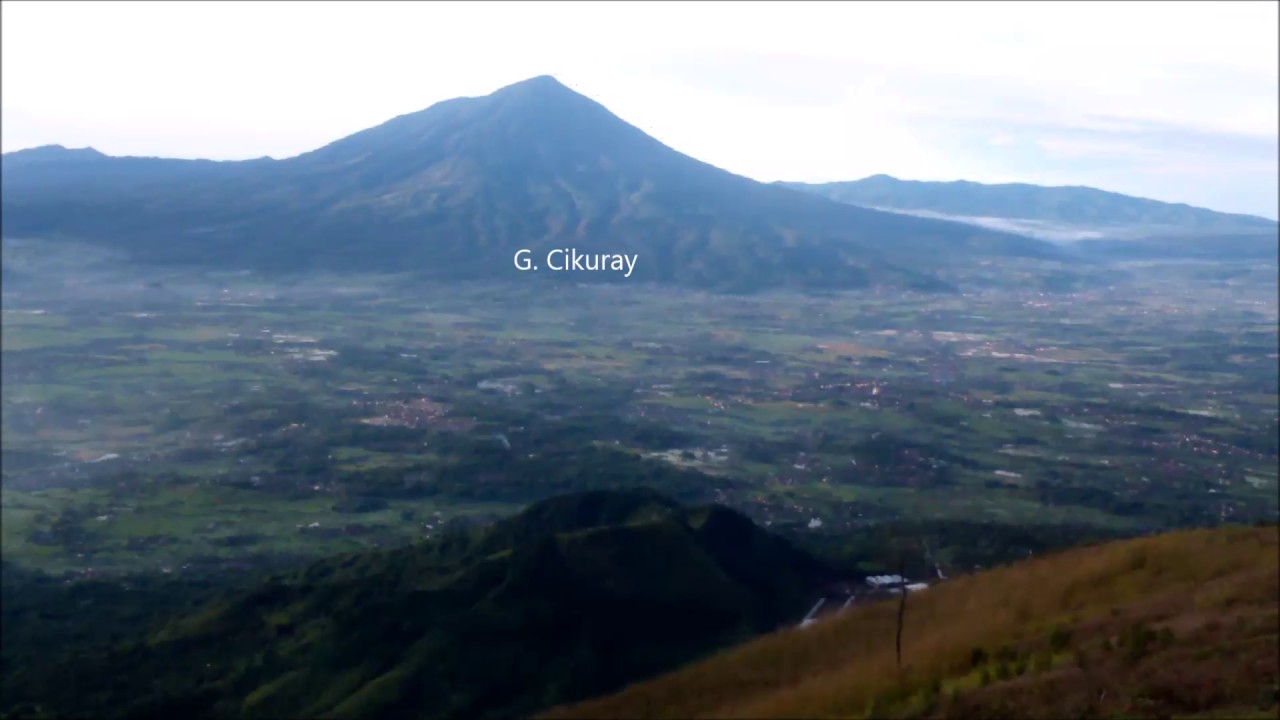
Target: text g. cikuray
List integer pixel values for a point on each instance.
(570, 260)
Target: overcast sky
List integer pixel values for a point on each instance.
(1177, 101)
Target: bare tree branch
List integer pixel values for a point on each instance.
(902, 602)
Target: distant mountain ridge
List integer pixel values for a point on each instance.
(1064, 203)
(49, 154)
(453, 190)
(1059, 213)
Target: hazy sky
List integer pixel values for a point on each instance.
(1176, 101)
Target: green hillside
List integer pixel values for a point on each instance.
(576, 596)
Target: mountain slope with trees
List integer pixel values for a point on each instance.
(453, 190)
(575, 596)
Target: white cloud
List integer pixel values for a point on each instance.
(799, 90)
(1072, 148)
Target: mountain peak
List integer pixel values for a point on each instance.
(538, 81)
(59, 150)
(455, 187)
(54, 151)
(545, 93)
(50, 154)
(538, 86)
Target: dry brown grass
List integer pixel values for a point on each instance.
(1216, 592)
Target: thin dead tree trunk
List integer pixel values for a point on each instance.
(902, 606)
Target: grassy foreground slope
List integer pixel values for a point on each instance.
(1184, 625)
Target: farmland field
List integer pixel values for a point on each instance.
(179, 420)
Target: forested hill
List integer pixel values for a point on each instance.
(576, 596)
